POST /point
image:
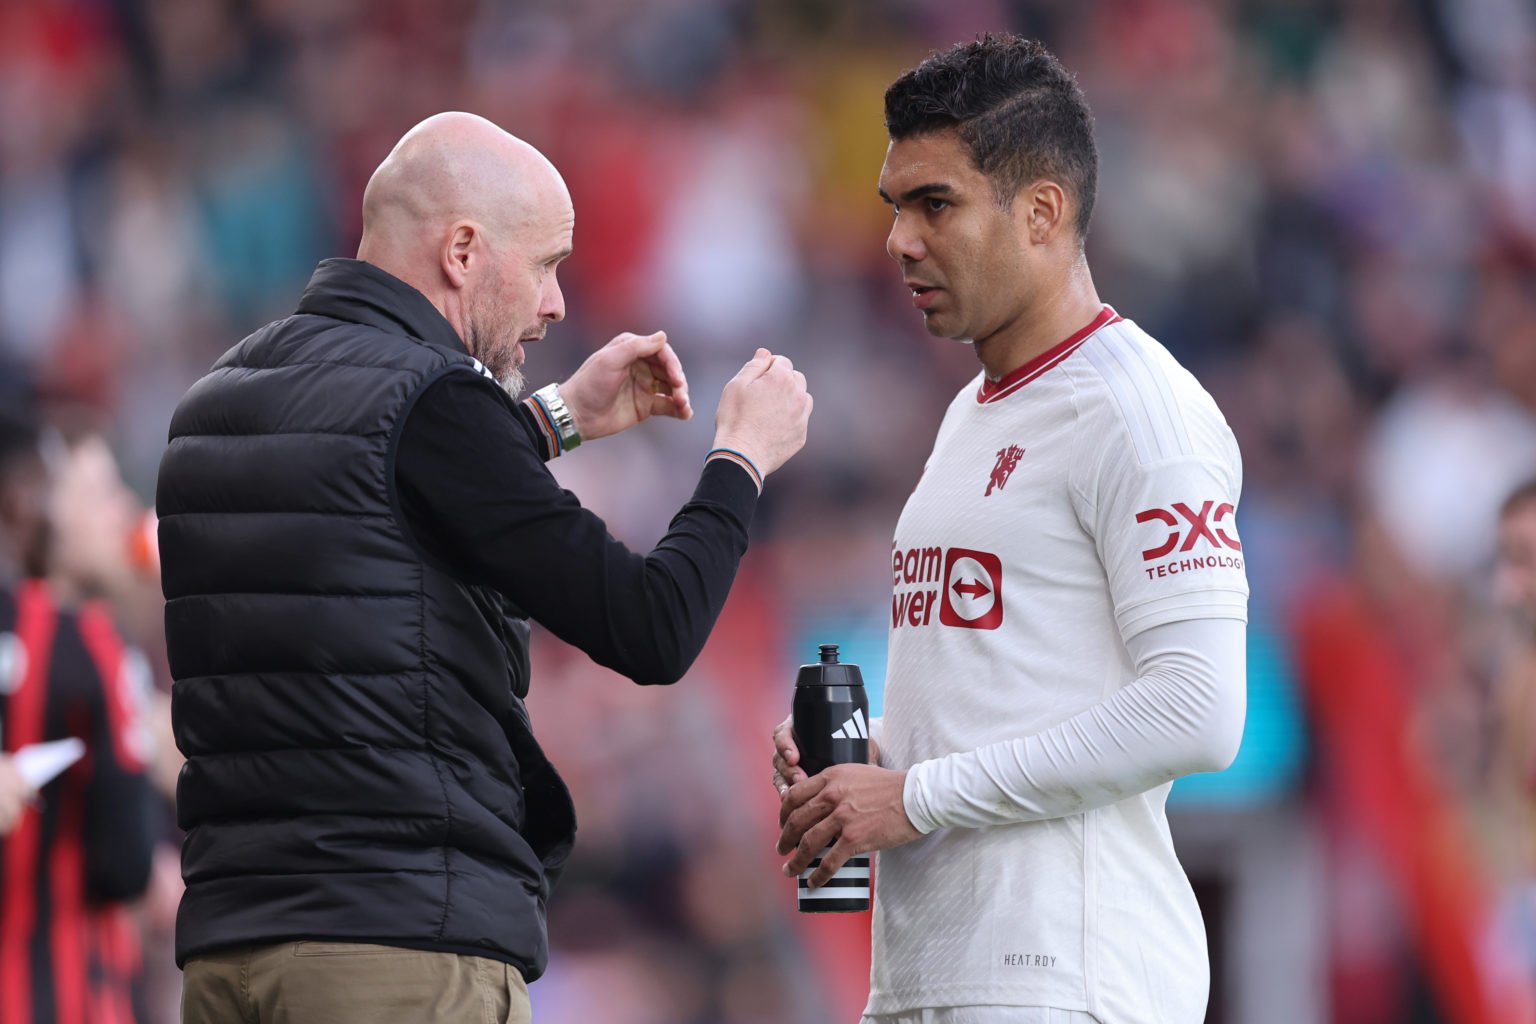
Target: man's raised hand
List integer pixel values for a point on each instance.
(764, 411)
(627, 381)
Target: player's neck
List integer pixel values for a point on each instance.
(1055, 317)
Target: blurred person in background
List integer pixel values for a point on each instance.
(68, 953)
(1515, 590)
(357, 525)
(99, 558)
(1075, 527)
(1514, 760)
(99, 552)
(99, 524)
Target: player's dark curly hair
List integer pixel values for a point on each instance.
(1020, 115)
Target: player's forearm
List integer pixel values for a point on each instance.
(1183, 714)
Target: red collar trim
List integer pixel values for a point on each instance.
(991, 391)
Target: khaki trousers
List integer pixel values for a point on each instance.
(350, 983)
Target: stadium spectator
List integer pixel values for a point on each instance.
(1515, 590)
(1514, 759)
(68, 953)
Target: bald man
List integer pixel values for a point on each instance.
(356, 526)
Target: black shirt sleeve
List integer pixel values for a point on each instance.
(476, 495)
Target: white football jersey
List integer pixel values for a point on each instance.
(1087, 497)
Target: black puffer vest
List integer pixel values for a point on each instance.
(360, 765)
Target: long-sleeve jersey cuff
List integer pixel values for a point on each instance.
(915, 799)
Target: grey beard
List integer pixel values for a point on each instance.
(512, 382)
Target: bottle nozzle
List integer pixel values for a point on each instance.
(829, 654)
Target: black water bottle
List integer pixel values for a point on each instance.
(831, 722)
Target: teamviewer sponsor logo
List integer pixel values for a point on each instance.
(973, 590)
(965, 585)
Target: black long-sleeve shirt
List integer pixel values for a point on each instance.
(476, 494)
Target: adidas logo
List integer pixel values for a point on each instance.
(853, 729)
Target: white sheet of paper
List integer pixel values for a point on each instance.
(41, 763)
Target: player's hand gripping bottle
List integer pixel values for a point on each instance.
(831, 725)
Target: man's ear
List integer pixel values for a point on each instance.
(1044, 207)
(462, 252)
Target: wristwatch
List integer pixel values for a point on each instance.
(560, 414)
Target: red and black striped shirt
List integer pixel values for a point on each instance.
(68, 953)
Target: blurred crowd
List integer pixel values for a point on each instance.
(1325, 208)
